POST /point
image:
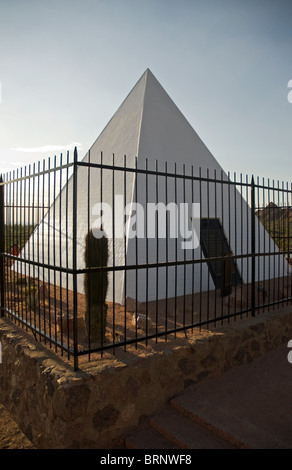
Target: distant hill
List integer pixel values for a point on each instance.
(278, 222)
(272, 213)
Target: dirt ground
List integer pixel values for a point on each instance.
(50, 310)
(11, 436)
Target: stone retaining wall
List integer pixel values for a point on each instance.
(99, 404)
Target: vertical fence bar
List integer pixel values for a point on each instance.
(136, 250)
(257, 205)
(125, 250)
(9, 239)
(274, 250)
(54, 248)
(60, 252)
(157, 247)
(241, 239)
(280, 204)
(75, 260)
(166, 251)
(7, 221)
(176, 247)
(264, 260)
(225, 262)
(114, 254)
(2, 246)
(248, 247)
(27, 236)
(33, 234)
(201, 253)
(18, 238)
(253, 247)
(49, 249)
(147, 248)
(289, 207)
(22, 204)
(208, 242)
(283, 239)
(222, 245)
(269, 247)
(67, 253)
(19, 243)
(88, 304)
(186, 228)
(102, 326)
(216, 245)
(235, 242)
(38, 238)
(193, 253)
(43, 247)
(289, 236)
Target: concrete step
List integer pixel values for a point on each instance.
(216, 421)
(145, 437)
(249, 406)
(246, 407)
(226, 424)
(184, 432)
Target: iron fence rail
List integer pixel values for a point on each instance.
(40, 268)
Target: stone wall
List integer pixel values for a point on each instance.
(99, 404)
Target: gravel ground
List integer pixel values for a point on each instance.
(11, 437)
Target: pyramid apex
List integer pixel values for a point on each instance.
(148, 71)
(149, 76)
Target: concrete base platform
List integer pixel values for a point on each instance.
(186, 433)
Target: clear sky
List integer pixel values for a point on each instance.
(66, 66)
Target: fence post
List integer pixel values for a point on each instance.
(2, 247)
(253, 261)
(74, 254)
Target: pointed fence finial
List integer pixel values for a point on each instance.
(75, 154)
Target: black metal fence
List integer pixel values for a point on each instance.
(186, 248)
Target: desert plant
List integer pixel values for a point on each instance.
(20, 281)
(96, 285)
(31, 296)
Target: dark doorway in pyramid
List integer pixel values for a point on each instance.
(214, 243)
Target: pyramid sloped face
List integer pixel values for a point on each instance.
(121, 135)
(166, 135)
(147, 125)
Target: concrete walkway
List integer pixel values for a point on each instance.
(249, 406)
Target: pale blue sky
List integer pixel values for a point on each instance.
(66, 66)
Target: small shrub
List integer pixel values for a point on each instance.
(31, 296)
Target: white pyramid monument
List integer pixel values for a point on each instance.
(148, 125)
